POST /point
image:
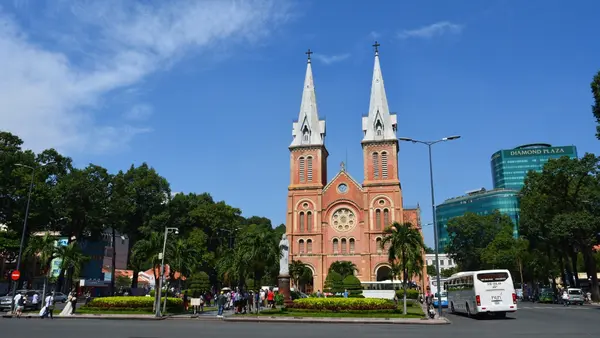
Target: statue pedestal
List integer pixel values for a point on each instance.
(284, 289)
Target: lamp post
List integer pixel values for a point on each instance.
(435, 225)
(162, 268)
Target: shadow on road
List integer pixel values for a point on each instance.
(482, 317)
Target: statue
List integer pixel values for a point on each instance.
(284, 246)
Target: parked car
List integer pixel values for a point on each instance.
(60, 297)
(6, 301)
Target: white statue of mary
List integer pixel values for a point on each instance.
(284, 246)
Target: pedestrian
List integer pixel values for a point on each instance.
(221, 300)
(74, 301)
(20, 304)
(257, 301)
(35, 300)
(49, 308)
(565, 298)
(186, 301)
(271, 298)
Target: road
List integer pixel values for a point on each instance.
(548, 321)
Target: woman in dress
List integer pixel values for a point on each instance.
(68, 310)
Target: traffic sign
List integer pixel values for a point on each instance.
(15, 275)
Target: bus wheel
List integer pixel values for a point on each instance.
(452, 308)
(469, 314)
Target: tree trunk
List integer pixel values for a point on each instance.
(592, 271)
(404, 282)
(113, 270)
(574, 267)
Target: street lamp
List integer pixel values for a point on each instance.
(435, 225)
(24, 224)
(162, 268)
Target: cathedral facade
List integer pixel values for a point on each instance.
(343, 219)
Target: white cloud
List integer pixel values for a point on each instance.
(329, 59)
(50, 96)
(374, 35)
(139, 112)
(433, 30)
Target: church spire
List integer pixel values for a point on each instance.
(379, 124)
(308, 130)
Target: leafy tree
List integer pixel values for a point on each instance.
(344, 268)
(122, 282)
(405, 246)
(334, 283)
(353, 285)
(595, 85)
(470, 234)
(72, 260)
(560, 214)
(199, 283)
(445, 273)
(301, 274)
(429, 250)
(431, 270)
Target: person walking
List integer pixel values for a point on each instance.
(49, 308)
(221, 300)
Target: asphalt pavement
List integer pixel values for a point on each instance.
(532, 320)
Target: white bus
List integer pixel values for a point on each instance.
(485, 291)
(434, 290)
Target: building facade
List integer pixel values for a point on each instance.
(509, 167)
(342, 219)
(481, 202)
(445, 261)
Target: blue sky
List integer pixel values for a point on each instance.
(206, 91)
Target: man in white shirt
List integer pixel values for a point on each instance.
(35, 299)
(49, 306)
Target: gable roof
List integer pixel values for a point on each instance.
(339, 174)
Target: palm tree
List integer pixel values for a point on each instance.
(182, 259)
(256, 250)
(146, 251)
(300, 273)
(344, 268)
(72, 261)
(405, 246)
(44, 248)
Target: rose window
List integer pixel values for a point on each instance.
(343, 220)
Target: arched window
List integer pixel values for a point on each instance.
(352, 244)
(301, 246)
(386, 218)
(375, 165)
(343, 245)
(335, 245)
(301, 221)
(309, 169)
(309, 246)
(301, 168)
(305, 134)
(384, 165)
(378, 245)
(309, 219)
(377, 219)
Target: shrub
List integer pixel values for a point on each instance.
(352, 284)
(152, 293)
(334, 282)
(128, 303)
(410, 294)
(198, 284)
(342, 304)
(278, 299)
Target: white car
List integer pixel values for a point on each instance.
(60, 297)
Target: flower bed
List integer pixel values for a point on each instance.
(342, 304)
(128, 303)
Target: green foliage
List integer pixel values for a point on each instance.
(410, 294)
(470, 234)
(595, 86)
(198, 284)
(279, 299)
(431, 270)
(344, 268)
(170, 294)
(341, 304)
(300, 273)
(334, 283)
(9, 245)
(129, 303)
(445, 273)
(352, 284)
(122, 282)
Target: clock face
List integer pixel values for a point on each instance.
(342, 188)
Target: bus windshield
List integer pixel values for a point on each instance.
(492, 277)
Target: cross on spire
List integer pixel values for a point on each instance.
(376, 45)
(308, 53)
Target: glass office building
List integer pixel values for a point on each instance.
(480, 202)
(509, 167)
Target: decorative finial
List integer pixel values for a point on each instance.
(376, 45)
(308, 53)
(342, 166)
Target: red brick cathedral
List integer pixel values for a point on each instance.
(343, 220)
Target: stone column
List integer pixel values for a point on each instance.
(284, 289)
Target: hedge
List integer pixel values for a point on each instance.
(128, 303)
(342, 304)
(410, 294)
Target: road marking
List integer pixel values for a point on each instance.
(552, 307)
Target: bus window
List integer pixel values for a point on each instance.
(492, 277)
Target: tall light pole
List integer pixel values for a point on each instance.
(435, 225)
(162, 268)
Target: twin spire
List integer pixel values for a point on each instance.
(378, 125)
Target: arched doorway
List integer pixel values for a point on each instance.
(383, 272)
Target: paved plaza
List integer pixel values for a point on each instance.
(532, 320)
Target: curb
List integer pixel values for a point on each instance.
(330, 320)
